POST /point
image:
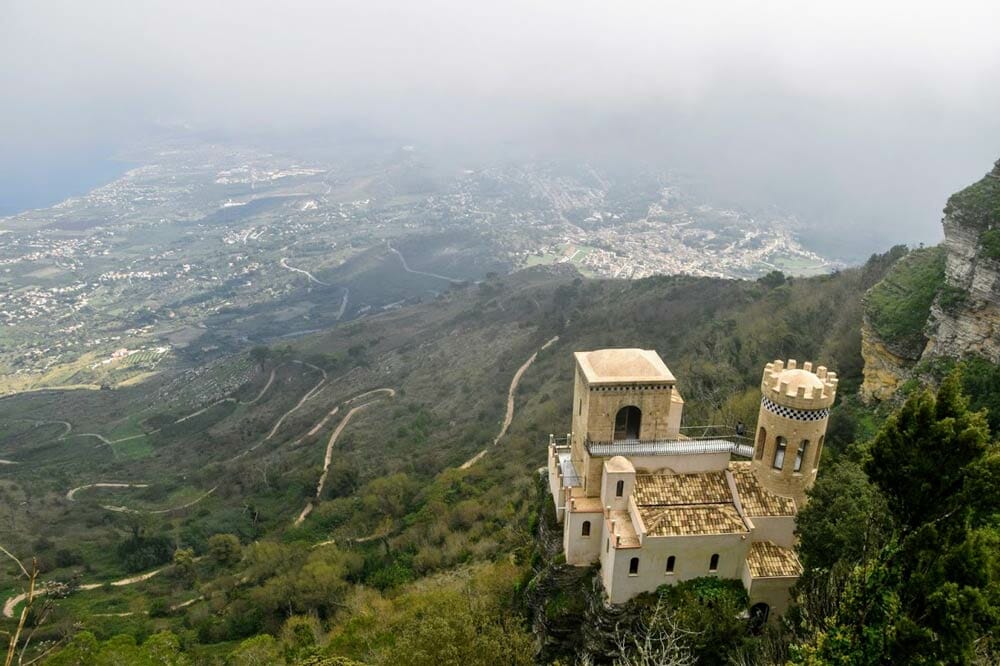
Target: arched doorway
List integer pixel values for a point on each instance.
(627, 422)
(758, 616)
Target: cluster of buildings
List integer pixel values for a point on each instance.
(653, 507)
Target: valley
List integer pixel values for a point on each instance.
(208, 248)
(326, 412)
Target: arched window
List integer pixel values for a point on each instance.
(633, 566)
(619, 489)
(713, 564)
(671, 561)
(579, 410)
(585, 530)
(819, 452)
(761, 441)
(779, 452)
(800, 454)
(627, 423)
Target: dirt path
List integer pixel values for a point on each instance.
(310, 393)
(270, 380)
(406, 266)
(343, 304)
(12, 602)
(125, 509)
(263, 391)
(71, 495)
(328, 456)
(509, 416)
(312, 278)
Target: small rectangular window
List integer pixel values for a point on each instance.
(633, 566)
(670, 564)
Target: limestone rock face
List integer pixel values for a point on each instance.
(884, 370)
(965, 318)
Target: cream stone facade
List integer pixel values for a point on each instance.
(656, 506)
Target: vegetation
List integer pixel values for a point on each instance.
(978, 205)
(919, 583)
(989, 242)
(405, 558)
(897, 307)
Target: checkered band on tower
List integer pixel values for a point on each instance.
(796, 387)
(795, 414)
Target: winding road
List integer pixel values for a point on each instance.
(406, 267)
(312, 278)
(509, 416)
(71, 495)
(333, 440)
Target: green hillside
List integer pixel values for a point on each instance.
(402, 552)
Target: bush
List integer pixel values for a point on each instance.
(989, 242)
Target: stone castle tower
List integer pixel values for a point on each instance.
(654, 506)
(791, 427)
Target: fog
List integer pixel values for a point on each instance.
(859, 117)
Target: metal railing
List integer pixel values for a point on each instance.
(718, 442)
(702, 439)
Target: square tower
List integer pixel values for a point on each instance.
(621, 395)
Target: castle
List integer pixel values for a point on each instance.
(654, 506)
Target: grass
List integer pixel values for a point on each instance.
(898, 306)
(978, 205)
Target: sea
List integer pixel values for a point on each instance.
(40, 183)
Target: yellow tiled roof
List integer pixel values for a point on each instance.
(674, 489)
(688, 519)
(768, 560)
(755, 499)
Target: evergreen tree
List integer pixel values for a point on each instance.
(932, 595)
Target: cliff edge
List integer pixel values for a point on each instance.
(938, 302)
(965, 317)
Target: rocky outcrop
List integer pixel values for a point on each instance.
(884, 370)
(894, 328)
(965, 318)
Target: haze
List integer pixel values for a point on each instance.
(858, 117)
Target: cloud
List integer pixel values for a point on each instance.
(714, 81)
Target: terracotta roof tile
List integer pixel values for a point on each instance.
(689, 519)
(768, 560)
(755, 499)
(673, 489)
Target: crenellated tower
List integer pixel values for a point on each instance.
(791, 426)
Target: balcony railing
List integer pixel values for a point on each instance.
(703, 439)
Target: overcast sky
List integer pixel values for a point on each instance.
(858, 114)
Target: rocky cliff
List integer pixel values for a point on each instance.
(884, 370)
(938, 302)
(894, 330)
(965, 318)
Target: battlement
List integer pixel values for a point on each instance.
(799, 388)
